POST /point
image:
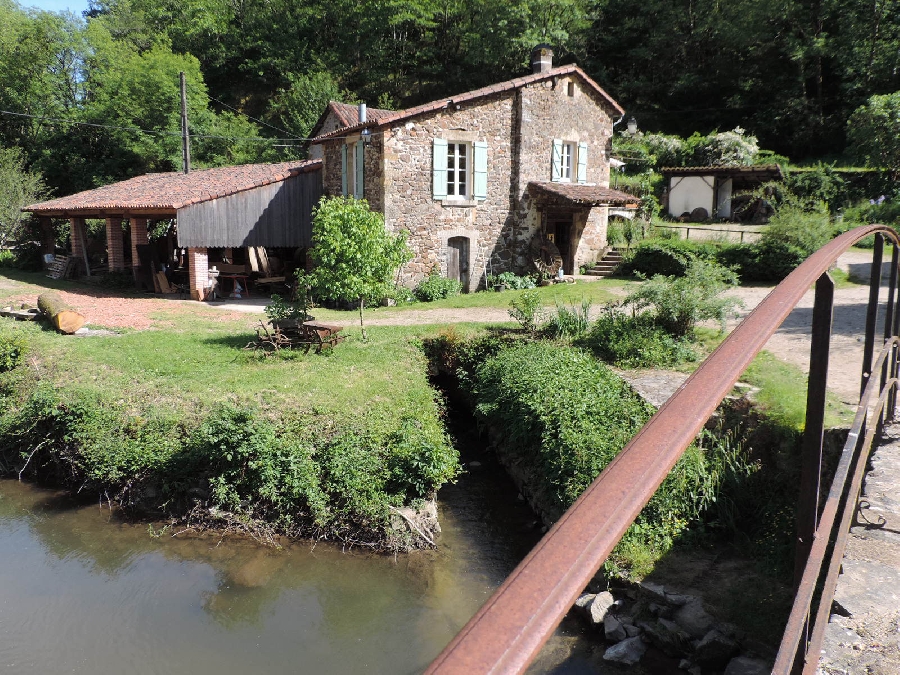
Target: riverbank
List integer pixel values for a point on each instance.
(178, 421)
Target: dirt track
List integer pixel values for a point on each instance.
(791, 341)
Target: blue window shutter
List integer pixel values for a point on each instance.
(439, 170)
(556, 161)
(582, 162)
(360, 173)
(344, 170)
(479, 187)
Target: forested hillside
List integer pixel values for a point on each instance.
(259, 72)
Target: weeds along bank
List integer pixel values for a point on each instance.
(183, 424)
(556, 416)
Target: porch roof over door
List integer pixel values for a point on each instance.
(579, 195)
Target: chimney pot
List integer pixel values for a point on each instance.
(362, 113)
(542, 59)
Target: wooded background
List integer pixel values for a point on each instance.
(790, 72)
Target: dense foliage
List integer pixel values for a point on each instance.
(236, 466)
(435, 287)
(564, 417)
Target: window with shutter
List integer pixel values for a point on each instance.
(479, 186)
(344, 171)
(582, 162)
(556, 161)
(439, 169)
(359, 173)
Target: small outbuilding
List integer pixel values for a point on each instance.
(703, 192)
(249, 206)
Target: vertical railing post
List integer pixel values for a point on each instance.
(872, 311)
(892, 327)
(814, 431)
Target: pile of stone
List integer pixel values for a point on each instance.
(674, 623)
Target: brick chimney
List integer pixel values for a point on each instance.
(541, 59)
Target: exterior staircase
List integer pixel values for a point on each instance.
(607, 266)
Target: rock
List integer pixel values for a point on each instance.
(655, 591)
(715, 650)
(613, 629)
(599, 606)
(693, 619)
(678, 599)
(684, 664)
(744, 665)
(668, 637)
(632, 631)
(627, 652)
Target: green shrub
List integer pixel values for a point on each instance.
(7, 259)
(526, 310)
(677, 304)
(12, 351)
(667, 256)
(564, 417)
(511, 281)
(435, 287)
(635, 342)
(570, 321)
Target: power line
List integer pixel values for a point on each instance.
(250, 117)
(58, 120)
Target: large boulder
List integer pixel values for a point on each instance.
(715, 650)
(693, 619)
(744, 665)
(627, 652)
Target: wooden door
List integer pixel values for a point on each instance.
(458, 260)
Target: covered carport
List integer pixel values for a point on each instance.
(254, 205)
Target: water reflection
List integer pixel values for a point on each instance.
(82, 591)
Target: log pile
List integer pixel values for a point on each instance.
(64, 318)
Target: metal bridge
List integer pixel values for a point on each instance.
(509, 630)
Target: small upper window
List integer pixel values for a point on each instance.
(570, 89)
(457, 169)
(568, 157)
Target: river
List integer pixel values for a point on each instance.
(84, 591)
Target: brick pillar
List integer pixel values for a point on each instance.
(198, 269)
(115, 245)
(138, 238)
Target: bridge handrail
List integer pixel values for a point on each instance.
(507, 633)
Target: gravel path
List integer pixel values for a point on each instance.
(790, 343)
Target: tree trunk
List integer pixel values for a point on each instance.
(64, 318)
(361, 304)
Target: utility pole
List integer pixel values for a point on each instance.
(185, 136)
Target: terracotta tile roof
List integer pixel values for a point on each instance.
(579, 194)
(349, 114)
(168, 192)
(764, 171)
(498, 88)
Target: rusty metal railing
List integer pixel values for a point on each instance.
(509, 630)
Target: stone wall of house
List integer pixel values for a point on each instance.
(499, 228)
(430, 223)
(568, 110)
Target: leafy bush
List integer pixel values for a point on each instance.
(279, 310)
(526, 310)
(635, 342)
(29, 257)
(235, 463)
(7, 259)
(12, 351)
(821, 185)
(677, 304)
(725, 148)
(435, 287)
(570, 321)
(564, 417)
(511, 281)
(667, 256)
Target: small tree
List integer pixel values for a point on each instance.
(18, 188)
(874, 132)
(355, 257)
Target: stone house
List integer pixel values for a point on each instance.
(486, 181)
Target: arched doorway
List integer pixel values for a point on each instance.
(458, 260)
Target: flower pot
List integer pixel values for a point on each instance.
(499, 287)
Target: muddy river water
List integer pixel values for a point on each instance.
(82, 591)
